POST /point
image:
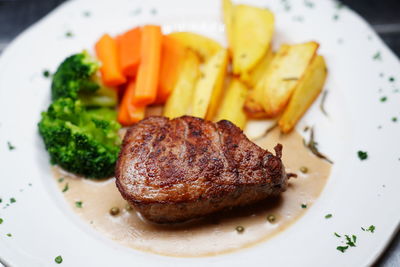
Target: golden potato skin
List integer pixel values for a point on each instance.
(283, 75)
(307, 90)
(205, 47)
(180, 100)
(231, 108)
(208, 89)
(253, 28)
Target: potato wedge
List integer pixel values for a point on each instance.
(252, 33)
(227, 15)
(202, 45)
(231, 108)
(285, 72)
(208, 88)
(180, 100)
(256, 74)
(253, 105)
(307, 90)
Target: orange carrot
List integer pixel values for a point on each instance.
(106, 50)
(172, 55)
(128, 113)
(129, 51)
(149, 68)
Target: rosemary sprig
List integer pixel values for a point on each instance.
(312, 146)
(322, 104)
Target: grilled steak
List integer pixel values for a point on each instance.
(175, 170)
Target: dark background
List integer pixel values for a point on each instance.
(383, 15)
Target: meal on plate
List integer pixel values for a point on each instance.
(175, 170)
(167, 115)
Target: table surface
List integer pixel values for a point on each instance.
(383, 15)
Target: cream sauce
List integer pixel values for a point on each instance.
(204, 237)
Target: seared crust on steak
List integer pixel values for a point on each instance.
(175, 170)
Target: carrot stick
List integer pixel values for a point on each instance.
(128, 113)
(106, 50)
(129, 51)
(172, 55)
(149, 68)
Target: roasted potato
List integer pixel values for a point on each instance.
(227, 14)
(180, 100)
(252, 33)
(208, 88)
(231, 108)
(307, 90)
(256, 74)
(253, 105)
(202, 45)
(284, 74)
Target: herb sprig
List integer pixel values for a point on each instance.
(312, 146)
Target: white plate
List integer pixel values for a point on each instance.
(358, 194)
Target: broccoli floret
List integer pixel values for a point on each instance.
(77, 78)
(81, 141)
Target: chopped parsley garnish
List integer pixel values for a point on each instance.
(78, 204)
(46, 73)
(10, 146)
(9, 235)
(298, 18)
(339, 5)
(371, 229)
(86, 13)
(336, 17)
(1, 200)
(377, 56)
(153, 11)
(66, 187)
(58, 259)
(69, 34)
(286, 5)
(137, 11)
(308, 3)
(12, 200)
(328, 216)
(1, 220)
(391, 79)
(362, 155)
(342, 248)
(351, 241)
(394, 119)
(60, 180)
(304, 206)
(383, 99)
